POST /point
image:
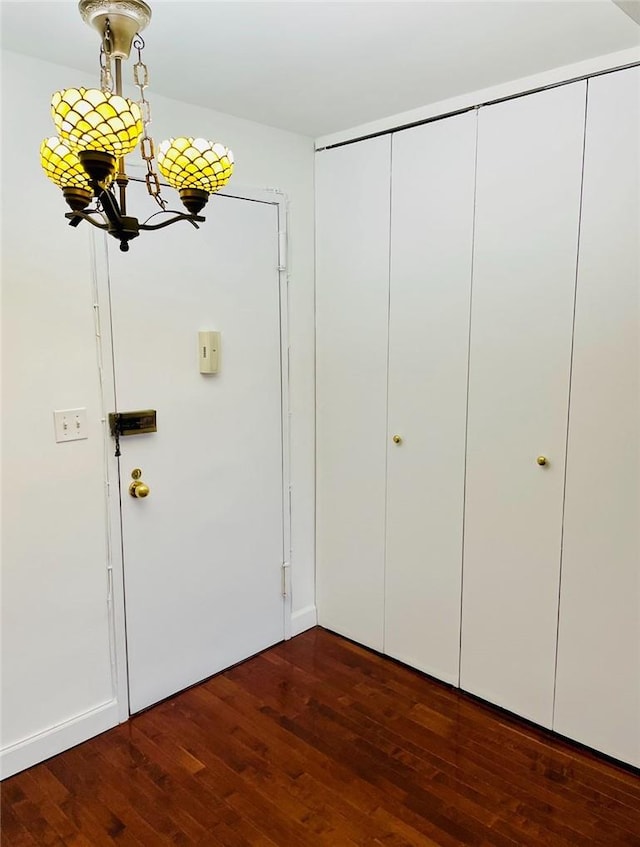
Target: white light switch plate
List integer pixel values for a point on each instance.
(70, 424)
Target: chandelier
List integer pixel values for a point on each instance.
(98, 127)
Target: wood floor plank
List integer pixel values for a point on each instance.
(391, 675)
(494, 752)
(354, 798)
(315, 786)
(389, 715)
(319, 742)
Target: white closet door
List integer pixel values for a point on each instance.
(431, 241)
(598, 680)
(525, 248)
(352, 312)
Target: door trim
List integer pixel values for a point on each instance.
(112, 473)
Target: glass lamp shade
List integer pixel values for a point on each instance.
(62, 166)
(88, 119)
(195, 163)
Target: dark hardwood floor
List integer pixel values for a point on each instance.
(321, 742)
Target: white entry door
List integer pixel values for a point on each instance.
(203, 552)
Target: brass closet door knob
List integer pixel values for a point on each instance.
(397, 439)
(542, 460)
(138, 488)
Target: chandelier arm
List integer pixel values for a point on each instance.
(176, 212)
(179, 216)
(110, 206)
(74, 219)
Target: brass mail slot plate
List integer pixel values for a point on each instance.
(132, 423)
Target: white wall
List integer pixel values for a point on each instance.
(57, 678)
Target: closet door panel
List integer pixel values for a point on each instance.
(598, 678)
(431, 241)
(525, 248)
(352, 309)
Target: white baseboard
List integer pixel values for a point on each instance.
(52, 741)
(303, 619)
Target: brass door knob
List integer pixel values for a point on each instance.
(138, 488)
(397, 439)
(542, 460)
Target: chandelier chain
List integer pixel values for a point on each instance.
(147, 146)
(106, 77)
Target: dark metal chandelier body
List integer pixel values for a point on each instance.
(97, 128)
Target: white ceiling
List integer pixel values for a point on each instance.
(319, 67)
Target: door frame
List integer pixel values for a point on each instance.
(114, 543)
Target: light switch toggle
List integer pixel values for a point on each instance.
(209, 343)
(70, 425)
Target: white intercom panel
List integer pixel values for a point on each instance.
(209, 352)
